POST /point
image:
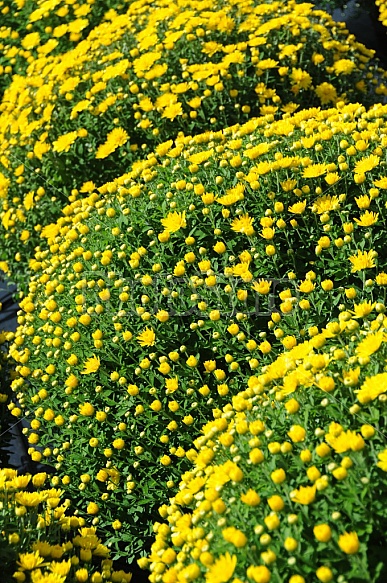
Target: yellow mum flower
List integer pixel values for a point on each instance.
(30, 41)
(322, 532)
(315, 170)
(306, 286)
(50, 231)
(219, 247)
(233, 195)
(363, 260)
(381, 183)
(259, 574)
(363, 309)
(174, 221)
(304, 495)
(344, 66)
(349, 543)
(86, 409)
(381, 278)
(325, 204)
(267, 64)
(288, 185)
(382, 463)
(251, 498)
(146, 104)
(268, 233)
(63, 143)
(326, 92)
(367, 219)
(366, 164)
(301, 78)
(30, 561)
(278, 476)
(172, 385)
(145, 62)
(222, 569)
(261, 286)
(162, 316)
(332, 178)
(29, 200)
(234, 536)
(147, 337)
(163, 148)
(372, 388)
(200, 157)
(297, 433)
(345, 441)
(243, 224)
(195, 102)
(363, 202)
(61, 570)
(29, 499)
(298, 208)
(370, 344)
(91, 365)
(172, 111)
(116, 138)
(324, 574)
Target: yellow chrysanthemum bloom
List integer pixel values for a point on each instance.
(174, 222)
(92, 365)
(147, 337)
(363, 260)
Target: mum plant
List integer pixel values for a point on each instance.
(143, 77)
(288, 480)
(41, 542)
(33, 29)
(155, 297)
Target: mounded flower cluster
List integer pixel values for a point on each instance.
(140, 78)
(288, 481)
(34, 29)
(155, 297)
(40, 542)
